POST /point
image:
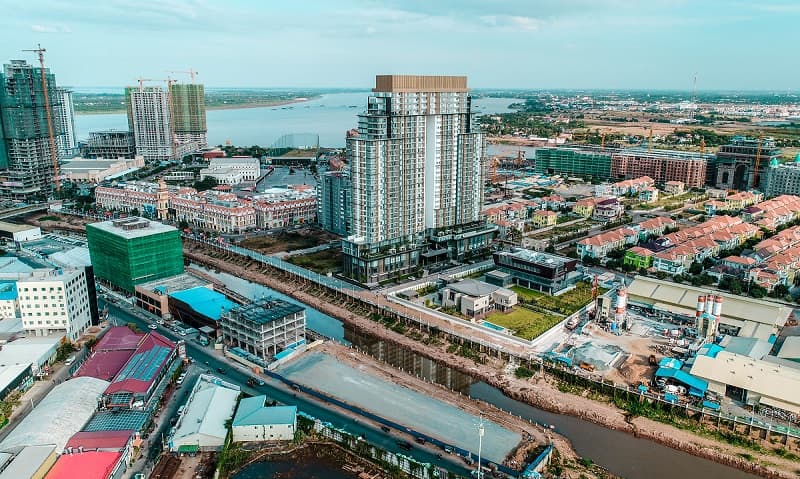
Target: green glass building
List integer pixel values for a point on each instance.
(580, 162)
(130, 251)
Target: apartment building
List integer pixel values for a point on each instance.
(213, 210)
(54, 302)
(334, 202)
(188, 105)
(285, 213)
(660, 165)
(110, 144)
(782, 179)
(575, 162)
(417, 169)
(150, 121)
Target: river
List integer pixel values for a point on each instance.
(619, 452)
(328, 116)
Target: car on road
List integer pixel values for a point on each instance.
(221, 370)
(152, 326)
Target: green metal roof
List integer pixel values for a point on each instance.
(252, 412)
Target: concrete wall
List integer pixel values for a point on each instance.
(264, 432)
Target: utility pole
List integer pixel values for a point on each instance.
(480, 447)
(54, 155)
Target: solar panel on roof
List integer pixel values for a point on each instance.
(117, 421)
(144, 366)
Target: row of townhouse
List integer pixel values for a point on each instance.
(213, 209)
(696, 243)
(771, 214)
(599, 245)
(781, 268)
(781, 241)
(624, 187)
(734, 202)
(518, 213)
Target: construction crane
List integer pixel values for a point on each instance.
(595, 289)
(758, 161)
(603, 140)
(189, 72)
(519, 158)
(53, 154)
(702, 144)
(650, 140)
(495, 162)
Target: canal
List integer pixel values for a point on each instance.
(619, 452)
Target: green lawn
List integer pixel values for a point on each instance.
(523, 322)
(565, 304)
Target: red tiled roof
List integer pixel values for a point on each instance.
(92, 465)
(90, 440)
(119, 337)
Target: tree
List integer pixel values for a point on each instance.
(696, 268)
(757, 291)
(779, 291)
(183, 224)
(134, 327)
(206, 183)
(64, 349)
(135, 212)
(736, 286)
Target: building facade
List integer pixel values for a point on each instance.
(538, 271)
(65, 117)
(580, 162)
(133, 250)
(661, 165)
(26, 152)
(734, 166)
(250, 168)
(189, 117)
(55, 302)
(417, 167)
(150, 122)
(334, 203)
(264, 328)
(110, 144)
(782, 179)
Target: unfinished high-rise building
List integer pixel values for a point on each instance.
(188, 117)
(64, 112)
(26, 156)
(110, 144)
(149, 121)
(417, 171)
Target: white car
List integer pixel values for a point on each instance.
(152, 326)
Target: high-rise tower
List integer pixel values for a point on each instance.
(66, 143)
(188, 116)
(417, 171)
(26, 160)
(149, 120)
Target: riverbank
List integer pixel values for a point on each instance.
(235, 106)
(541, 391)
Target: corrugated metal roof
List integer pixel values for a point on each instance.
(252, 412)
(205, 301)
(210, 405)
(683, 377)
(790, 348)
(92, 465)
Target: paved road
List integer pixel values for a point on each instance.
(207, 357)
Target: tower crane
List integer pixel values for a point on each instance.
(53, 154)
(702, 144)
(758, 161)
(650, 140)
(603, 140)
(191, 72)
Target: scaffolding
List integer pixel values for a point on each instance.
(127, 253)
(578, 162)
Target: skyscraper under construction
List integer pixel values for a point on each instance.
(167, 123)
(189, 116)
(26, 159)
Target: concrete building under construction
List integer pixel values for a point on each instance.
(661, 165)
(264, 328)
(110, 144)
(149, 120)
(26, 152)
(734, 166)
(581, 162)
(188, 116)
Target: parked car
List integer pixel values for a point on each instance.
(152, 326)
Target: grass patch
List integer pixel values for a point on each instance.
(523, 322)
(565, 304)
(322, 262)
(288, 241)
(49, 218)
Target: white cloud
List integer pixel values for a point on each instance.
(50, 29)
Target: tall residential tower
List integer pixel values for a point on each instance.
(417, 171)
(149, 120)
(26, 160)
(189, 116)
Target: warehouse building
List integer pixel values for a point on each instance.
(264, 328)
(133, 250)
(58, 416)
(91, 464)
(19, 233)
(137, 379)
(153, 296)
(255, 421)
(38, 352)
(202, 425)
(30, 462)
(741, 316)
(110, 354)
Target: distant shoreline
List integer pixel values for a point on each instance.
(240, 106)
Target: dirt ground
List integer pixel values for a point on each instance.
(64, 222)
(289, 241)
(539, 391)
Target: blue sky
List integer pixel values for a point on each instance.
(615, 44)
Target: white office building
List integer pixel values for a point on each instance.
(149, 120)
(249, 168)
(66, 143)
(54, 302)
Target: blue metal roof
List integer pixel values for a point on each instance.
(711, 350)
(8, 290)
(252, 412)
(205, 301)
(670, 363)
(697, 386)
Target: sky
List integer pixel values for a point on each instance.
(531, 44)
